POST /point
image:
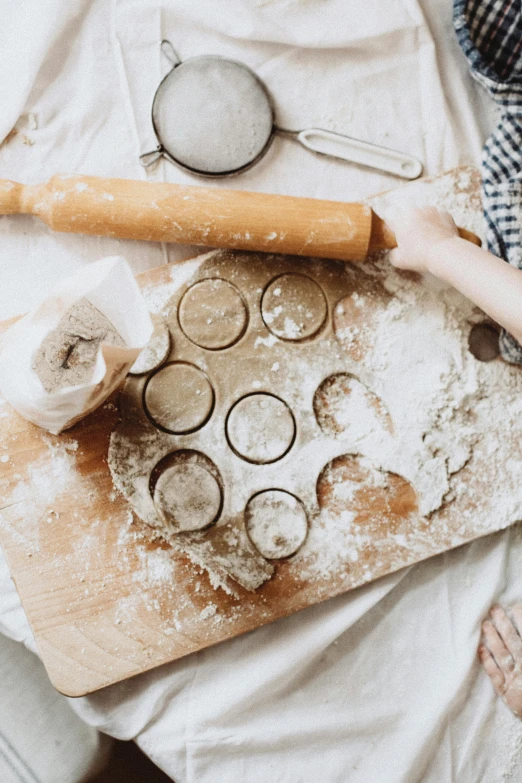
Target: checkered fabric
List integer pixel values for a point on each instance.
(490, 35)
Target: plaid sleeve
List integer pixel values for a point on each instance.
(490, 35)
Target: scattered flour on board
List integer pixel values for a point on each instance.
(48, 477)
(446, 409)
(422, 410)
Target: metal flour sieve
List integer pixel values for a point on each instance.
(214, 117)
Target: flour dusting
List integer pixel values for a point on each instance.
(406, 445)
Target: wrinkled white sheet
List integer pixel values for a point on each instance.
(378, 685)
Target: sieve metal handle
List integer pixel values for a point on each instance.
(170, 53)
(336, 145)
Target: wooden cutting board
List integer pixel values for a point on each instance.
(107, 599)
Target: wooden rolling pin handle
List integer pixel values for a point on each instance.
(470, 236)
(11, 197)
(383, 238)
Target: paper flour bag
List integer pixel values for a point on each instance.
(63, 360)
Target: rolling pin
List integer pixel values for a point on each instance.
(193, 215)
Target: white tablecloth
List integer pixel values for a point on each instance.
(378, 685)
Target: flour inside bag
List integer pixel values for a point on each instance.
(63, 360)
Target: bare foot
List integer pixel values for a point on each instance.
(501, 654)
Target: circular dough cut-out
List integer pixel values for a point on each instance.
(344, 405)
(294, 307)
(213, 314)
(483, 342)
(260, 428)
(188, 497)
(156, 350)
(276, 523)
(179, 398)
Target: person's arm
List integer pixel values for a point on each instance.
(427, 241)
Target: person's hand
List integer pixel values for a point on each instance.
(420, 233)
(501, 655)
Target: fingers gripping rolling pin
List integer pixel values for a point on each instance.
(193, 215)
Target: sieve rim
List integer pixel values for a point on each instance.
(229, 172)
